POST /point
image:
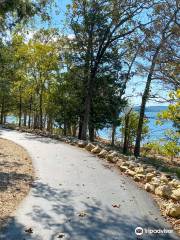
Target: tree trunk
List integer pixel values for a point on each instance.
(113, 134)
(91, 132)
(40, 111)
(2, 110)
(142, 111)
(147, 89)
(36, 121)
(25, 119)
(29, 121)
(5, 118)
(87, 107)
(80, 127)
(49, 124)
(74, 129)
(65, 128)
(30, 112)
(20, 109)
(125, 145)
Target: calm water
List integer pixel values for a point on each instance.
(155, 131)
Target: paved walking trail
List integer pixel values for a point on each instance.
(72, 182)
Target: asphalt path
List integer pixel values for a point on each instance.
(79, 197)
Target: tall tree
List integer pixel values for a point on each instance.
(13, 12)
(97, 25)
(166, 15)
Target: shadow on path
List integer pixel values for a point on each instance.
(101, 222)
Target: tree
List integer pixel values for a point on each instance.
(12, 13)
(5, 82)
(97, 26)
(35, 65)
(173, 111)
(18, 11)
(129, 129)
(162, 31)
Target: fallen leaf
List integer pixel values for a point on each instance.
(29, 230)
(61, 235)
(82, 214)
(116, 206)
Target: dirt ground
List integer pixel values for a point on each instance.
(16, 176)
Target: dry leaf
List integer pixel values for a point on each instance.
(116, 206)
(61, 235)
(29, 230)
(82, 214)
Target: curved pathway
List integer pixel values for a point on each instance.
(74, 193)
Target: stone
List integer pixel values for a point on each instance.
(176, 194)
(139, 170)
(125, 157)
(149, 187)
(163, 191)
(173, 210)
(96, 150)
(132, 165)
(90, 146)
(132, 158)
(114, 160)
(110, 156)
(121, 155)
(174, 183)
(81, 144)
(103, 153)
(150, 170)
(164, 179)
(155, 181)
(169, 176)
(119, 162)
(123, 168)
(130, 173)
(125, 164)
(149, 176)
(139, 177)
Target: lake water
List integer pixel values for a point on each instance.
(155, 131)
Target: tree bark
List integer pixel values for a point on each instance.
(91, 132)
(164, 37)
(30, 112)
(87, 105)
(80, 127)
(25, 119)
(20, 109)
(40, 110)
(74, 129)
(2, 109)
(143, 104)
(113, 134)
(49, 124)
(65, 128)
(126, 133)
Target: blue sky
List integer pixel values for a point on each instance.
(135, 86)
